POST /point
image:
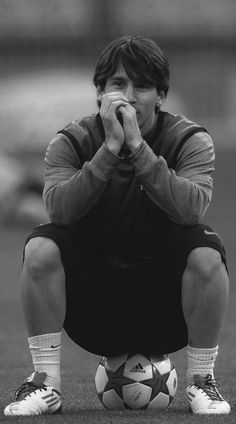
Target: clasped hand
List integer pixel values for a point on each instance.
(117, 133)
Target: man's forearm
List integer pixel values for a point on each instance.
(184, 198)
(69, 194)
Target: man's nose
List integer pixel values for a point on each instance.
(130, 93)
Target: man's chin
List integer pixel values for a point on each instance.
(141, 125)
(140, 122)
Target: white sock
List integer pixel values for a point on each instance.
(46, 352)
(200, 361)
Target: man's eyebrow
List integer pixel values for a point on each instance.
(117, 78)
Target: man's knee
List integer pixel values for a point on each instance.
(204, 262)
(42, 255)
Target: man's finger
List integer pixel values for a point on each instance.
(113, 106)
(112, 95)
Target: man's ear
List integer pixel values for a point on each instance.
(161, 97)
(99, 93)
(99, 96)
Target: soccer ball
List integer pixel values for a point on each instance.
(136, 381)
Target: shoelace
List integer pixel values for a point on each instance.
(209, 385)
(26, 388)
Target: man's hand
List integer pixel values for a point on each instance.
(133, 137)
(120, 122)
(110, 105)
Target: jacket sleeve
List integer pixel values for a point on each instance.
(184, 193)
(71, 189)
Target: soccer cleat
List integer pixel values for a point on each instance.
(204, 398)
(35, 398)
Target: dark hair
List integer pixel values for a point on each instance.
(142, 58)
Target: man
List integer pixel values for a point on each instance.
(125, 264)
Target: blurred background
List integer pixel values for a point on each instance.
(48, 50)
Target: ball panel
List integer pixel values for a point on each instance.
(161, 401)
(163, 365)
(113, 363)
(111, 400)
(136, 395)
(138, 368)
(158, 383)
(172, 382)
(101, 379)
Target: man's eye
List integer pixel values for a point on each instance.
(141, 86)
(118, 83)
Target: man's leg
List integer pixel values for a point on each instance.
(43, 287)
(44, 305)
(205, 287)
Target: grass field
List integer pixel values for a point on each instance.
(81, 404)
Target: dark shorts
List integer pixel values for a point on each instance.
(111, 310)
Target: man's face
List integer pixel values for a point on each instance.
(142, 97)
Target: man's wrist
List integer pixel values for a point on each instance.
(112, 147)
(136, 147)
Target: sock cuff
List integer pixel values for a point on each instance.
(204, 351)
(45, 340)
(202, 354)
